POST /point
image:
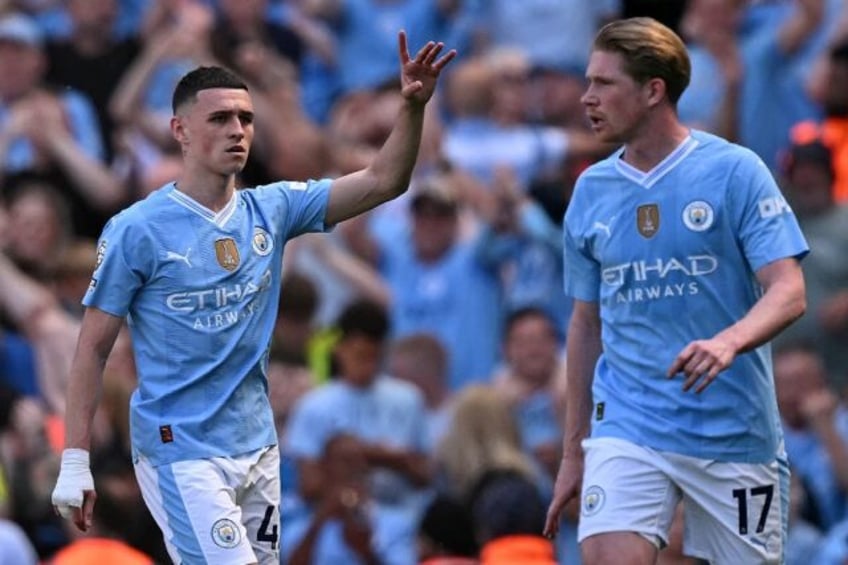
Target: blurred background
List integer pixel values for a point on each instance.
(446, 302)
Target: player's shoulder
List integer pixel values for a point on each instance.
(600, 170)
(721, 151)
(136, 218)
(272, 189)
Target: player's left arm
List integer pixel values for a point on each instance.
(782, 303)
(388, 174)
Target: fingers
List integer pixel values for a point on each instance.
(427, 54)
(679, 361)
(552, 519)
(403, 47)
(447, 58)
(77, 518)
(80, 516)
(88, 508)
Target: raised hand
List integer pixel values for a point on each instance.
(418, 76)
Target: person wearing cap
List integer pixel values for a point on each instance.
(51, 135)
(438, 283)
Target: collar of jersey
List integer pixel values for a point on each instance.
(650, 178)
(218, 218)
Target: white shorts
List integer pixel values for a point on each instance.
(220, 510)
(733, 513)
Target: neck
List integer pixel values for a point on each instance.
(654, 141)
(212, 191)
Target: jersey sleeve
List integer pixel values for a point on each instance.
(303, 205)
(581, 271)
(124, 262)
(766, 225)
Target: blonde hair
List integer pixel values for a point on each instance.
(483, 436)
(650, 50)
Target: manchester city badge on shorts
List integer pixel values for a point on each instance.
(593, 500)
(262, 242)
(225, 533)
(698, 215)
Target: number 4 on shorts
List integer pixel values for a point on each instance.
(263, 534)
(741, 496)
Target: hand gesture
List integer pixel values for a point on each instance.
(74, 494)
(567, 487)
(418, 76)
(703, 359)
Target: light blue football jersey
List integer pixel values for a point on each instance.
(670, 256)
(201, 291)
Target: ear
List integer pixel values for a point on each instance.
(655, 91)
(179, 131)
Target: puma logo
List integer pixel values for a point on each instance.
(602, 227)
(173, 256)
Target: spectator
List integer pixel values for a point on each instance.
(92, 59)
(344, 524)
(483, 436)
(385, 414)
(446, 534)
(808, 177)
(53, 135)
(509, 516)
(15, 548)
(438, 283)
(420, 359)
(816, 432)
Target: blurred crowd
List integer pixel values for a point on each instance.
(417, 370)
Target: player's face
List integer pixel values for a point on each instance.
(615, 103)
(216, 131)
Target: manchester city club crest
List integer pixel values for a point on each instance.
(593, 500)
(262, 242)
(227, 253)
(698, 215)
(225, 533)
(648, 220)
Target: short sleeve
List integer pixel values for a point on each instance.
(123, 264)
(306, 430)
(304, 206)
(766, 225)
(581, 271)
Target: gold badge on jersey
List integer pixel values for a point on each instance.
(648, 220)
(227, 253)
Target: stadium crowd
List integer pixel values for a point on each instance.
(417, 368)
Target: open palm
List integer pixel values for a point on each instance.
(419, 75)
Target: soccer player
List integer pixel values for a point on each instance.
(196, 269)
(683, 260)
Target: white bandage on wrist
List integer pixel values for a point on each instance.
(74, 479)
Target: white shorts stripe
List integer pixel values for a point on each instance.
(219, 510)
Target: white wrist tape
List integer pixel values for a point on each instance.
(74, 478)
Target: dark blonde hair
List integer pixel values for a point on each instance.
(650, 50)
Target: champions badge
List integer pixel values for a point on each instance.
(648, 220)
(227, 253)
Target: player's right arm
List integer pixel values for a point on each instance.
(74, 495)
(583, 350)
